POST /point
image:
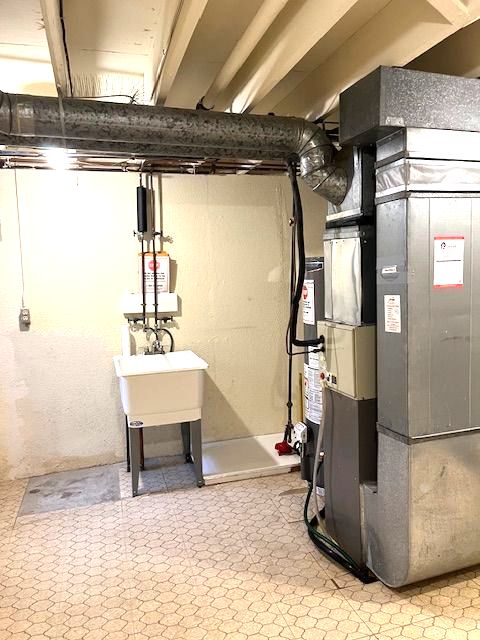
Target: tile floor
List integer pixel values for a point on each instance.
(230, 561)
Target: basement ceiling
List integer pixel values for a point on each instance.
(288, 57)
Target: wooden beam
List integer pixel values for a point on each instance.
(458, 55)
(402, 31)
(54, 32)
(261, 22)
(295, 32)
(454, 11)
(189, 15)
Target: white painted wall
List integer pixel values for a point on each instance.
(59, 403)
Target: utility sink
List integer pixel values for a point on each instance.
(161, 389)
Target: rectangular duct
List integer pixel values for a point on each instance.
(391, 97)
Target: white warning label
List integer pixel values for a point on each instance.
(313, 358)
(393, 317)
(313, 400)
(448, 258)
(308, 296)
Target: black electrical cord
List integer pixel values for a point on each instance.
(132, 98)
(65, 47)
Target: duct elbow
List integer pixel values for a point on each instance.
(318, 168)
(328, 181)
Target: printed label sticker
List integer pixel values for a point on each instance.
(393, 316)
(448, 259)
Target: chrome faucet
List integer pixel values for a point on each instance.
(156, 347)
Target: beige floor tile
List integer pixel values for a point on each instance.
(453, 595)
(11, 495)
(225, 613)
(382, 608)
(436, 628)
(290, 503)
(227, 562)
(323, 616)
(151, 480)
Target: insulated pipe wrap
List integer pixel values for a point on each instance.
(89, 125)
(142, 222)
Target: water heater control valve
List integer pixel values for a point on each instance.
(300, 432)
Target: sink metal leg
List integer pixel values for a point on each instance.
(142, 451)
(186, 441)
(196, 440)
(135, 458)
(127, 441)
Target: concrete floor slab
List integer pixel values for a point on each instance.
(71, 489)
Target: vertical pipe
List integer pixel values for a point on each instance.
(160, 208)
(154, 251)
(144, 302)
(141, 228)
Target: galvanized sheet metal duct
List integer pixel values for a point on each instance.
(143, 130)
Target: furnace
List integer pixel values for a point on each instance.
(402, 485)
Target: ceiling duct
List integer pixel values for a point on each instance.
(147, 131)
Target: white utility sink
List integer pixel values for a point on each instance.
(161, 389)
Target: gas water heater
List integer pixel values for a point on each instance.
(313, 312)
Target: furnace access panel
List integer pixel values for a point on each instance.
(350, 354)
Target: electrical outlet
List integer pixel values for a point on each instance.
(24, 319)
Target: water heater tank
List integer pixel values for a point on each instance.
(313, 312)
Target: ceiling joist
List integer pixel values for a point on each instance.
(262, 20)
(458, 55)
(292, 57)
(55, 38)
(296, 31)
(189, 14)
(403, 30)
(455, 11)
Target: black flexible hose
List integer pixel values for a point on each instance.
(296, 286)
(172, 342)
(323, 542)
(287, 435)
(297, 293)
(331, 549)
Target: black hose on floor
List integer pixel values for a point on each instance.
(330, 548)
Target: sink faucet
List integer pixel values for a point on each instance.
(156, 346)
